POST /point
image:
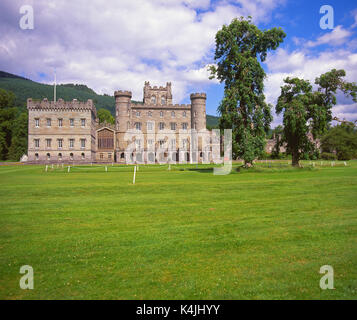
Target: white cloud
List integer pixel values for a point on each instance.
(112, 45)
(336, 37)
(282, 64)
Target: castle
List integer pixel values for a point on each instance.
(69, 131)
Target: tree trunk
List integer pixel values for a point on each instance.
(295, 159)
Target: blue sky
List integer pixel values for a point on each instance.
(110, 45)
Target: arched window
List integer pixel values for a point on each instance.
(184, 114)
(60, 156)
(161, 114)
(163, 100)
(122, 155)
(153, 100)
(173, 114)
(83, 156)
(36, 156)
(48, 156)
(71, 156)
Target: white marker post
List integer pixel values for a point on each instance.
(69, 168)
(345, 163)
(46, 167)
(134, 175)
(106, 169)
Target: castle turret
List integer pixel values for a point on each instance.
(122, 105)
(198, 111)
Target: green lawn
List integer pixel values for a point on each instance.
(179, 234)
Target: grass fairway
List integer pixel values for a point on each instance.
(179, 234)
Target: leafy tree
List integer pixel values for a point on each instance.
(277, 135)
(243, 108)
(19, 137)
(306, 111)
(7, 116)
(105, 116)
(341, 140)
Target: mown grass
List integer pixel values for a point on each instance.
(178, 234)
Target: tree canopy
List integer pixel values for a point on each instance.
(307, 111)
(243, 108)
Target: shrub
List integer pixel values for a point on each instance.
(328, 156)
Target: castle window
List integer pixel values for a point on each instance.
(83, 143)
(48, 156)
(195, 114)
(60, 122)
(71, 122)
(71, 156)
(173, 114)
(173, 144)
(161, 143)
(128, 125)
(163, 100)
(109, 155)
(36, 156)
(184, 114)
(37, 143)
(60, 156)
(184, 126)
(48, 143)
(122, 155)
(173, 125)
(83, 156)
(161, 126)
(101, 156)
(48, 122)
(138, 125)
(149, 113)
(153, 100)
(60, 143)
(37, 123)
(150, 126)
(150, 142)
(71, 143)
(184, 143)
(83, 122)
(161, 114)
(138, 114)
(138, 144)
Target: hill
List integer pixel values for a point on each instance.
(24, 88)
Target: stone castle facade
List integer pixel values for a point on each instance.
(65, 131)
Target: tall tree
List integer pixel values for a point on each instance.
(309, 112)
(243, 108)
(18, 145)
(7, 116)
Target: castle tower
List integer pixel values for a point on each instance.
(198, 111)
(122, 116)
(122, 112)
(158, 96)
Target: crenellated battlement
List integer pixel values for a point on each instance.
(61, 105)
(122, 93)
(198, 96)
